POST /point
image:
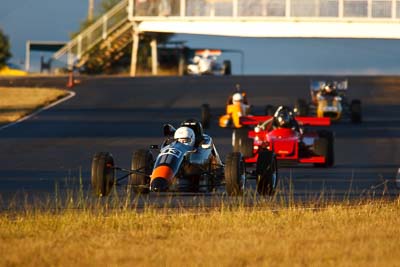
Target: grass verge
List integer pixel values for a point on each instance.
(366, 234)
(16, 103)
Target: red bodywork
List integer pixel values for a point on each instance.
(288, 145)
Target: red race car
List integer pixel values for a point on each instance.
(287, 137)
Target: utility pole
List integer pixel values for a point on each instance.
(90, 10)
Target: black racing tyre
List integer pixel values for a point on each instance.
(142, 160)
(242, 143)
(355, 111)
(324, 146)
(205, 115)
(102, 176)
(269, 110)
(227, 67)
(267, 173)
(235, 174)
(301, 107)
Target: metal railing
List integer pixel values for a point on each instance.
(97, 32)
(366, 9)
(128, 11)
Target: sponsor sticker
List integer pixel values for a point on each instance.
(172, 151)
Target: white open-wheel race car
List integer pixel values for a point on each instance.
(205, 62)
(193, 165)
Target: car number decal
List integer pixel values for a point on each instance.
(328, 108)
(172, 151)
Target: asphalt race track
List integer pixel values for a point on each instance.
(54, 149)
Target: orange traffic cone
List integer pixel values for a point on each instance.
(70, 82)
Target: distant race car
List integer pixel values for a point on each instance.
(237, 106)
(187, 161)
(290, 145)
(328, 99)
(205, 62)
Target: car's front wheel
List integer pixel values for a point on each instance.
(235, 174)
(267, 173)
(324, 146)
(142, 162)
(102, 176)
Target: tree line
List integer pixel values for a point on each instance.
(5, 53)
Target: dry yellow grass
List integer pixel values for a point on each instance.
(16, 103)
(337, 235)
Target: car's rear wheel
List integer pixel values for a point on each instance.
(227, 67)
(205, 115)
(235, 174)
(142, 161)
(324, 146)
(242, 143)
(103, 174)
(355, 111)
(267, 173)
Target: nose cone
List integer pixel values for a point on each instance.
(161, 178)
(159, 185)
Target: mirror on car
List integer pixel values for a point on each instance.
(168, 130)
(206, 146)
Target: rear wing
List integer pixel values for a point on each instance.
(313, 121)
(208, 52)
(316, 85)
(303, 121)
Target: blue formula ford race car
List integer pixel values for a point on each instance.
(186, 161)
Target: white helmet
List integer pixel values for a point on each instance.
(185, 135)
(237, 97)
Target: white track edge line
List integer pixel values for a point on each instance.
(70, 95)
